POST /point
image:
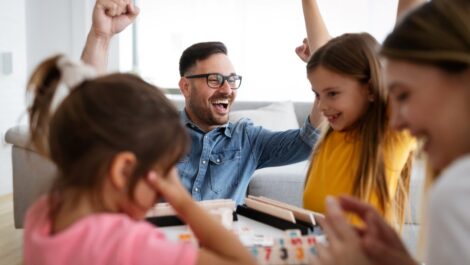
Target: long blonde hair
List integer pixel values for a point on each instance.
(435, 34)
(355, 55)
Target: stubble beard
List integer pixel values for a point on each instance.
(205, 115)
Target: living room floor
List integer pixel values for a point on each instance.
(11, 239)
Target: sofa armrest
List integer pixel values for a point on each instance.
(19, 136)
(32, 177)
(32, 173)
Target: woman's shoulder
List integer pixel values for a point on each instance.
(448, 216)
(451, 191)
(453, 182)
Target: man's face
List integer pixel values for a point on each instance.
(206, 106)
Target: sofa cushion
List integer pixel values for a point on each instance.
(278, 116)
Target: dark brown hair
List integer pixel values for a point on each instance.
(199, 51)
(355, 55)
(97, 120)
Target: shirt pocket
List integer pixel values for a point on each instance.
(224, 171)
(186, 172)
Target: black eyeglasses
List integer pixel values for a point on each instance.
(216, 80)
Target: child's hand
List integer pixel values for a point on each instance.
(380, 241)
(303, 51)
(170, 188)
(316, 117)
(344, 246)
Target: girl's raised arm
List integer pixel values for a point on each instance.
(317, 33)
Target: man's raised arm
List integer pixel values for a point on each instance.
(109, 18)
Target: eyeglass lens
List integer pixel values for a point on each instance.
(217, 80)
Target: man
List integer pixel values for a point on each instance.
(223, 155)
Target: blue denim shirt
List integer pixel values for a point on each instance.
(221, 162)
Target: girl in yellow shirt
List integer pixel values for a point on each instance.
(358, 153)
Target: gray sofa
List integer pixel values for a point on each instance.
(32, 173)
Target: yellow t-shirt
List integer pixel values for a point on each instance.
(333, 168)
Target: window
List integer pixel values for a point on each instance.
(260, 35)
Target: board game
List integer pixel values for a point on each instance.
(272, 237)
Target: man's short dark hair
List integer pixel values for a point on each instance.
(199, 51)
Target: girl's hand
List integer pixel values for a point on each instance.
(380, 241)
(344, 246)
(303, 51)
(170, 188)
(316, 117)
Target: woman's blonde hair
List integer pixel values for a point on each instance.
(436, 34)
(355, 55)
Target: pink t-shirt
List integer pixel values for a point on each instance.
(99, 239)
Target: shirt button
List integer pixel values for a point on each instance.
(196, 189)
(203, 161)
(218, 160)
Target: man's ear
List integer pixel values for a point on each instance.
(121, 169)
(184, 86)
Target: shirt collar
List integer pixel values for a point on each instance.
(226, 128)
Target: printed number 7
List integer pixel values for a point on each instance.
(284, 254)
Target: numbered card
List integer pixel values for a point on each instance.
(292, 249)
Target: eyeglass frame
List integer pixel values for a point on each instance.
(224, 78)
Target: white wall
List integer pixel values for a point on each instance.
(12, 40)
(59, 26)
(33, 30)
(261, 36)
(54, 26)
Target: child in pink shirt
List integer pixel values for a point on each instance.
(115, 140)
(105, 238)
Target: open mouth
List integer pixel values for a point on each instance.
(220, 105)
(332, 118)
